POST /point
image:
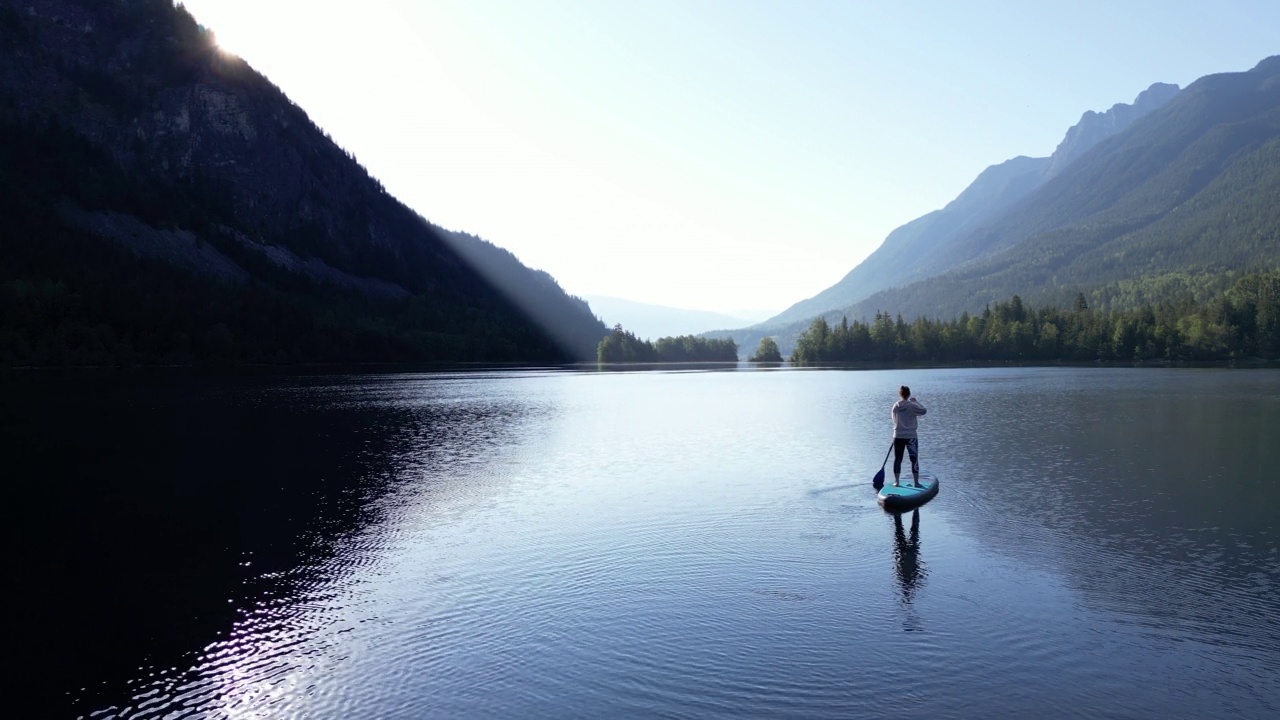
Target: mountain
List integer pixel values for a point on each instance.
(908, 253)
(658, 321)
(160, 201)
(1175, 205)
(1186, 191)
(905, 253)
(1095, 127)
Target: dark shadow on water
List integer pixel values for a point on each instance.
(910, 569)
(145, 517)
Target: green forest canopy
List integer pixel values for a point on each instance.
(1241, 323)
(622, 346)
(767, 351)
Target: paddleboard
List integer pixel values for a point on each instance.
(908, 496)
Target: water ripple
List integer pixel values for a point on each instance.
(512, 544)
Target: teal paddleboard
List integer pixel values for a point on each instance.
(908, 496)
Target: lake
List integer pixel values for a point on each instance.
(702, 544)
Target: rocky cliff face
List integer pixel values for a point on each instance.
(1095, 127)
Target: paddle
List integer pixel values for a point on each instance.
(877, 482)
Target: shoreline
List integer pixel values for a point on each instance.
(479, 366)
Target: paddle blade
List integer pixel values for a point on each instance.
(877, 482)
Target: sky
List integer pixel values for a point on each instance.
(723, 155)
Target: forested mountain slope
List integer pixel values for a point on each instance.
(1189, 190)
(160, 201)
(912, 251)
(1177, 205)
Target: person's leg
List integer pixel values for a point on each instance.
(913, 449)
(898, 445)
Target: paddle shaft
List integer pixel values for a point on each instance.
(877, 482)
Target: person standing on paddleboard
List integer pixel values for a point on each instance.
(905, 412)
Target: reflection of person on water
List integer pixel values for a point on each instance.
(906, 555)
(905, 412)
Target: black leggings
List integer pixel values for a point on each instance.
(912, 446)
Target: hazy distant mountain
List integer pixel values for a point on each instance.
(908, 253)
(657, 321)
(160, 201)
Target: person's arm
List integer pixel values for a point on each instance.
(919, 408)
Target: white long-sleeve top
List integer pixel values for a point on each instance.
(904, 414)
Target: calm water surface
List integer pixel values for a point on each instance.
(686, 544)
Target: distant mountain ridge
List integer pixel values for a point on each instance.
(907, 254)
(198, 185)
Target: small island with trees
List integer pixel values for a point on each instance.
(767, 352)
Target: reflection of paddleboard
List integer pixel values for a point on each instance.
(908, 496)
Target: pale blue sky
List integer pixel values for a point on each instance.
(712, 154)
